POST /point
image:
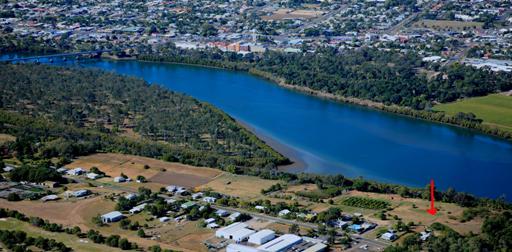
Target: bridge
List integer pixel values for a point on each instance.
(59, 55)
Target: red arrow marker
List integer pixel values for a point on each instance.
(432, 209)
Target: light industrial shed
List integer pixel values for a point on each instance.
(237, 231)
(262, 236)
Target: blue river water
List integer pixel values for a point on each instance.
(328, 137)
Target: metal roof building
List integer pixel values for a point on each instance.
(281, 243)
(262, 236)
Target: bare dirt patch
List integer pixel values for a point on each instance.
(246, 187)
(159, 171)
(7, 138)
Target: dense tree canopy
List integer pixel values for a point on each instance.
(87, 105)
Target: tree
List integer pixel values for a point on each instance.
(294, 229)
(141, 179)
(124, 244)
(97, 220)
(13, 197)
(141, 233)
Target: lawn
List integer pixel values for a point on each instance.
(495, 109)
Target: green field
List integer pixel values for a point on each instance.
(495, 109)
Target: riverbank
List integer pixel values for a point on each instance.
(436, 117)
(464, 121)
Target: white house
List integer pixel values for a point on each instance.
(119, 179)
(424, 235)
(210, 220)
(284, 212)
(8, 168)
(92, 175)
(262, 236)
(112, 217)
(197, 195)
(79, 193)
(209, 199)
(221, 213)
(137, 209)
(170, 188)
(388, 236)
(261, 208)
(212, 225)
(62, 170)
(130, 196)
(75, 172)
(234, 216)
(50, 197)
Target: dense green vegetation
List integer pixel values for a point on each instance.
(365, 203)
(397, 81)
(496, 236)
(75, 112)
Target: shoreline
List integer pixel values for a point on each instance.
(297, 163)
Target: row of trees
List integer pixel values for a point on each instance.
(20, 241)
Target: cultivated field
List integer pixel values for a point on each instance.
(160, 172)
(447, 25)
(495, 109)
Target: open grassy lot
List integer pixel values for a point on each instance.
(447, 25)
(495, 109)
(246, 187)
(72, 241)
(415, 210)
(6, 138)
(159, 171)
(187, 234)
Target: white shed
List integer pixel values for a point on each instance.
(262, 236)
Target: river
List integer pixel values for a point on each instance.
(328, 137)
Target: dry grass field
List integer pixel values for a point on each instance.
(186, 235)
(447, 25)
(415, 210)
(245, 187)
(283, 14)
(6, 138)
(159, 171)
